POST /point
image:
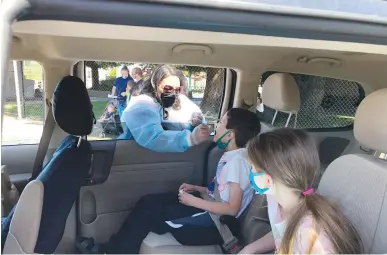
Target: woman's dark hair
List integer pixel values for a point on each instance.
(245, 125)
(161, 72)
(290, 156)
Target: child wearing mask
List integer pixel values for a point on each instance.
(186, 215)
(284, 167)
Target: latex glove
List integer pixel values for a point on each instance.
(196, 119)
(200, 134)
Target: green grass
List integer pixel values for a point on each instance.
(98, 108)
(35, 110)
(32, 110)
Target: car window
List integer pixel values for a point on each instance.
(326, 103)
(24, 107)
(204, 86)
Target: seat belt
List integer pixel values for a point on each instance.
(48, 130)
(230, 242)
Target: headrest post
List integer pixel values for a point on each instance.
(79, 141)
(288, 120)
(295, 121)
(275, 116)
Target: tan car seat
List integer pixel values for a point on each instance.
(254, 225)
(280, 92)
(41, 216)
(358, 182)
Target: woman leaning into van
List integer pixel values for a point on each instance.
(146, 118)
(284, 165)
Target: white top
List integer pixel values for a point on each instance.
(234, 167)
(184, 115)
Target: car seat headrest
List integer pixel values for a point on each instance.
(71, 107)
(370, 126)
(280, 92)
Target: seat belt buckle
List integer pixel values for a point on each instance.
(232, 246)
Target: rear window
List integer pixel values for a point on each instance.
(326, 103)
(204, 86)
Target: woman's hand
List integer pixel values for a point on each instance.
(196, 119)
(187, 187)
(200, 134)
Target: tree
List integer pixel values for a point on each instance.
(95, 65)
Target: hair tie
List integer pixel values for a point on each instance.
(308, 192)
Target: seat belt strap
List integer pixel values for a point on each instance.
(48, 129)
(230, 242)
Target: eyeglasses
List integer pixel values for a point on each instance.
(170, 89)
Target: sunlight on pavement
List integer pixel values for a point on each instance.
(24, 131)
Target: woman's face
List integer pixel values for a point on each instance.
(169, 85)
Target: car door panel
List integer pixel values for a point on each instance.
(135, 172)
(19, 160)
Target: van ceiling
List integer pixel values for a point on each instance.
(61, 40)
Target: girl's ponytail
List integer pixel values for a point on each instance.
(290, 156)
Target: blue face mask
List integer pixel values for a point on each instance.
(219, 142)
(259, 190)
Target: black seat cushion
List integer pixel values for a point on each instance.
(71, 106)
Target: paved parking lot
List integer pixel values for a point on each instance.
(17, 131)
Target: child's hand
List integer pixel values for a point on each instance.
(123, 94)
(187, 199)
(187, 187)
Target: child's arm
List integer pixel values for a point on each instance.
(200, 189)
(190, 187)
(262, 245)
(220, 208)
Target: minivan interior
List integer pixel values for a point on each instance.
(326, 75)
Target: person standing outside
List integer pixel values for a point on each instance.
(134, 86)
(119, 88)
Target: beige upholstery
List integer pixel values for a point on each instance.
(25, 224)
(280, 92)
(9, 193)
(372, 115)
(163, 244)
(254, 224)
(358, 183)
